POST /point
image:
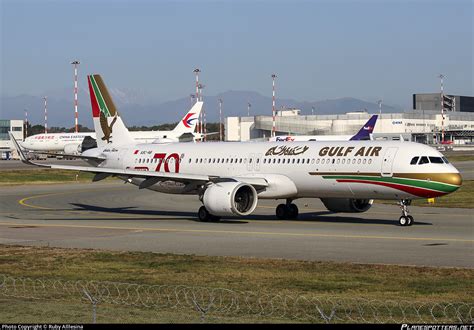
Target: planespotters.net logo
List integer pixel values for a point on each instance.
(437, 327)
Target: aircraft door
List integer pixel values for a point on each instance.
(121, 155)
(387, 161)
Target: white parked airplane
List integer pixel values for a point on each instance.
(230, 177)
(71, 143)
(363, 134)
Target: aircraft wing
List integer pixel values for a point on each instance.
(99, 159)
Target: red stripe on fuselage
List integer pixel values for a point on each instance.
(420, 192)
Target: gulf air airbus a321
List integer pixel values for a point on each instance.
(230, 177)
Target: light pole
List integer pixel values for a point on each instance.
(312, 111)
(75, 63)
(26, 123)
(379, 102)
(220, 119)
(203, 113)
(196, 72)
(45, 98)
(441, 77)
(192, 97)
(273, 104)
(248, 109)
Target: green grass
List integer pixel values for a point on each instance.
(38, 176)
(269, 275)
(322, 279)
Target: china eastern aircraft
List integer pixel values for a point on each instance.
(363, 134)
(230, 177)
(71, 143)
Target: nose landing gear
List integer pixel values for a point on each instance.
(405, 219)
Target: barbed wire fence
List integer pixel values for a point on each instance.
(221, 305)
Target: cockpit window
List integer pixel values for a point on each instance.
(423, 160)
(445, 160)
(414, 160)
(436, 160)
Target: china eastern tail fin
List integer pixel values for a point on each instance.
(188, 123)
(366, 130)
(108, 125)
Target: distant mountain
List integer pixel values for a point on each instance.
(137, 108)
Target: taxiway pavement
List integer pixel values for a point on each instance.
(117, 216)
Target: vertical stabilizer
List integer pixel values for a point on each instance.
(108, 125)
(366, 130)
(188, 123)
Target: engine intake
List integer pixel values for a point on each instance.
(230, 198)
(347, 205)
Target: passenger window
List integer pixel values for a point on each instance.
(323, 161)
(317, 161)
(370, 161)
(414, 160)
(423, 160)
(436, 160)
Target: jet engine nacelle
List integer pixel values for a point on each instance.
(72, 149)
(347, 205)
(230, 198)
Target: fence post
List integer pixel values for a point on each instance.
(93, 303)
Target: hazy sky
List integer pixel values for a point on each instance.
(318, 49)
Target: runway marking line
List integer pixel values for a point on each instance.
(243, 232)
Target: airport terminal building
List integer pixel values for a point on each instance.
(6, 146)
(420, 125)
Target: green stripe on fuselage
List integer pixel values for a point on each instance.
(99, 98)
(432, 185)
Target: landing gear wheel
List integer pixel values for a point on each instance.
(203, 214)
(281, 212)
(403, 220)
(292, 211)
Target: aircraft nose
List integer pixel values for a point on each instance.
(453, 179)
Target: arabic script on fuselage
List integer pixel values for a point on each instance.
(286, 151)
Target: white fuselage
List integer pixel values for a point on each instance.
(343, 169)
(59, 142)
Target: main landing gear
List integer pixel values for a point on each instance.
(205, 216)
(405, 219)
(287, 211)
